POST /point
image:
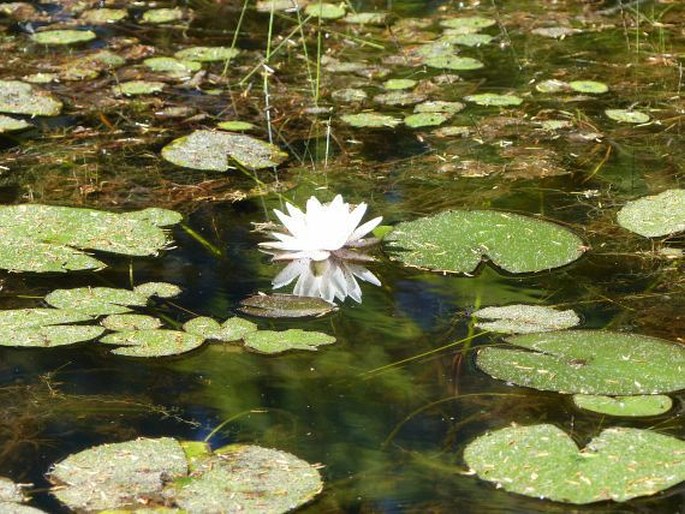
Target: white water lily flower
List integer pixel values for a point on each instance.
(322, 230)
(328, 279)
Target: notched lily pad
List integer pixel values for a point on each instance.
(475, 23)
(449, 108)
(236, 126)
(542, 461)
(398, 84)
(246, 478)
(233, 329)
(425, 119)
(280, 305)
(102, 15)
(63, 37)
(627, 116)
(270, 341)
(470, 40)
(152, 343)
(172, 66)
(591, 87)
(525, 319)
(162, 15)
(367, 18)
(49, 336)
(588, 362)
(325, 11)
(96, 301)
(9, 124)
(211, 150)
(207, 53)
(129, 322)
(118, 475)
(494, 99)
(399, 98)
(370, 120)
(656, 215)
(158, 289)
(138, 87)
(18, 97)
(457, 241)
(631, 406)
(453, 62)
(49, 238)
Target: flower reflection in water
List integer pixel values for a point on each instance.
(330, 279)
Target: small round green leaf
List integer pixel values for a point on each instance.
(454, 62)
(9, 124)
(236, 126)
(102, 16)
(49, 336)
(95, 301)
(525, 319)
(542, 461)
(439, 106)
(285, 306)
(398, 84)
(591, 87)
(162, 15)
(470, 40)
(138, 87)
(425, 119)
(158, 289)
(588, 362)
(207, 53)
(325, 11)
(627, 116)
(211, 150)
(63, 37)
(269, 341)
(128, 322)
(457, 241)
(172, 66)
(656, 215)
(632, 406)
(370, 120)
(494, 99)
(468, 22)
(18, 97)
(152, 343)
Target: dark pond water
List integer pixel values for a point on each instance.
(390, 406)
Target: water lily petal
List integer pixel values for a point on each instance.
(364, 229)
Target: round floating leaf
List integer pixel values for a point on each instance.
(102, 16)
(40, 237)
(11, 492)
(627, 116)
(172, 66)
(138, 87)
(128, 322)
(525, 319)
(96, 301)
(468, 22)
(236, 126)
(48, 336)
(370, 120)
(118, 475)
(242, 478)
(9, 124)
(325, 11)
(233, 329)
(439, 106)
(156, 216)
(425, 119)
(398, 84)
(656, 215)
(399, 98)
(555, 32)
(470, 40)
(163, 15)
(152, 343)
(457, 241)
(551, 86)
(63, 37)
(18, 97)
(285, 306)
(453, 62)
(269, 341)
(210, 150)
(367, 18)
(633, 406)
(589, 362)
(159, 289)
(207, 53)
(493, 99)
(542, 461)
(14, 319)
(589, 86)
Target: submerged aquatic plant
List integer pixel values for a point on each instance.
(321, 231)
(329, 279)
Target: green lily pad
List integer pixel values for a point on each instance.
(469, 22)
(90, 66)
(118, 475)
(129, 322)
(49, 336)
(398, 84)
(96, 301)
(325, 11)
(425, 119)
(589, 87)
(454, 62)
(152, 343)
(399, 98)
(48, 238)
(280, 305)
(627, 116)
(158, 289)
(633, 406)
(138, 87)
(656, 215)
(494, 99)
(450, 108)
(41, 78)
(470, 40)
(155, 216)
(555, 32)
(588, 362)
(162, 15)
(525, 319)
(233, 329)
(457, 241)
(12, 497)
(9, 124)
(172, 66)
(236, 126)
(370, 120)
(18, 97)
(210, 150)
(207, 53)
(349, 95)
(102, 16)
(269, 341)
(542, 461)
(63, 37)
(367, 18)
(552, 86)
